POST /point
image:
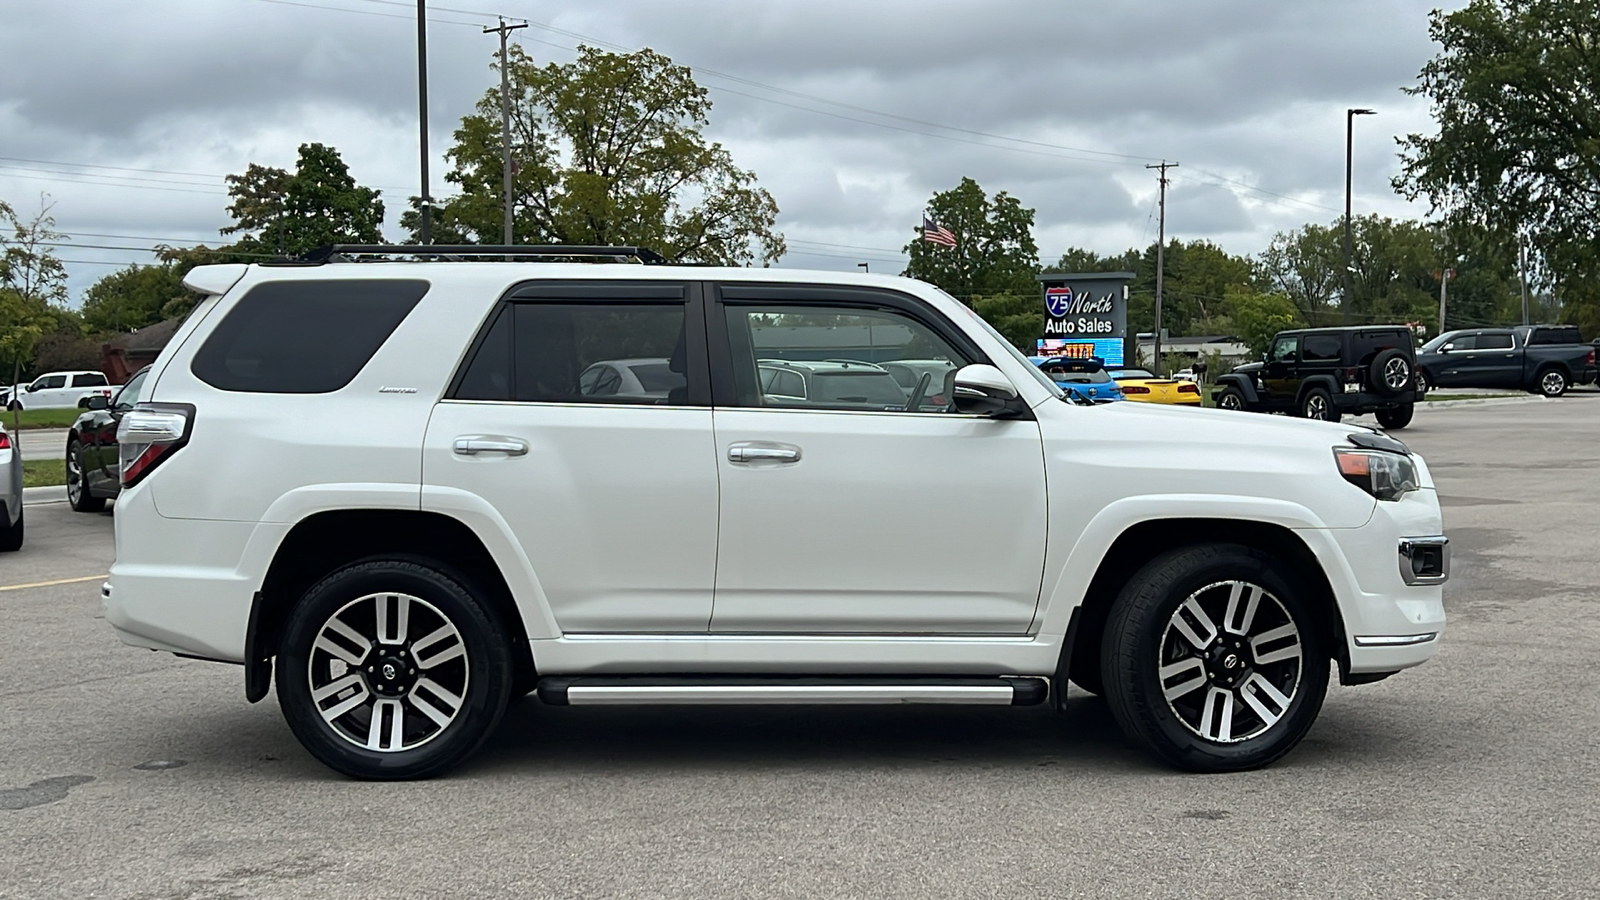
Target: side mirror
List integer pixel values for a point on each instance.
(982, 390)
(1447, 348)
(96, 401)
(31, 388)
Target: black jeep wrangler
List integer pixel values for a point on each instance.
(1323, 373)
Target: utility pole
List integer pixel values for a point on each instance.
(865, 267)
(505, 123)
(1349, 130)
(1444, 286)
(1522, 275)
(422, 113)
(1161, 262)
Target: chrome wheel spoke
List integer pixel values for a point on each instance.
(1216, 717)
(1284, 633)
(339, 708)
(1183, 677)
(387, 729)
(392, 623)
(1196, 627)
(1243, 600)
(455, 648)
(1264, 698)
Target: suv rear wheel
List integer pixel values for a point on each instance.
(1399, 417)
(1318, 404)
(392, 669)
(1212, 659)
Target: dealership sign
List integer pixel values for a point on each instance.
(1086, 315)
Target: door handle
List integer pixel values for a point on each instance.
(763, 451)
(473, 444)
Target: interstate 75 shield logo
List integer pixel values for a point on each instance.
(1058, 300)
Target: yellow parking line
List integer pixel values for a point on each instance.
(36, 584)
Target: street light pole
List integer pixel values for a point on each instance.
(426, 232)
(1349, 130)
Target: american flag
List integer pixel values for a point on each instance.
(937, 234)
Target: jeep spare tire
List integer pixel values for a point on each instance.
(1390, 373)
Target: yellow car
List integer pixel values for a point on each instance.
(1141, 385)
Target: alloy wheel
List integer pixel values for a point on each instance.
(388, 672)
(1316, 407)
(1396, 372)
(74, 479)
(1229, 401)
(1231, 661)
(1553, 384)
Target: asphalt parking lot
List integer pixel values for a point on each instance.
(126, 773)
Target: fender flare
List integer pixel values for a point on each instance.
(1326, 382)
(1070, 585)
(1245, 386)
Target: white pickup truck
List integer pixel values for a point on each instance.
(56, 390)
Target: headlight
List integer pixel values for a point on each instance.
(1387, 476)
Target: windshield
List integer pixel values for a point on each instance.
(1054, 389)
(1438, 342)
(1098, 376)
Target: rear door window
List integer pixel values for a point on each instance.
(1495, 341)
(94, 379)
(304, 337)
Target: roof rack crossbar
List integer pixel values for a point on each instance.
(346, 252)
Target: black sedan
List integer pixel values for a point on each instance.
(93, 467)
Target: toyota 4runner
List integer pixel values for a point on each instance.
(383, 485)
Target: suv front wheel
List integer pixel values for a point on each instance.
(1212, 659)
(392, 669)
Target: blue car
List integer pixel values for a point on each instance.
(1084, 378)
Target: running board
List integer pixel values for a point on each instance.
(758, 691)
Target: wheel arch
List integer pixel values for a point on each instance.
(324, 541)
(1240, 382)
(1326, 382)
(1143, 541)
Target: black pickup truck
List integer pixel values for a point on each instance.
(1541, 359)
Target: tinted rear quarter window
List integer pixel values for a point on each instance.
(1365, 345)
(304, 337)
(1321, 348)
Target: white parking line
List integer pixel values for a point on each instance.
(40, 584)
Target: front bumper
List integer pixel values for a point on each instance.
(1391, 622)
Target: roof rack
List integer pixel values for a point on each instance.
(352, 252)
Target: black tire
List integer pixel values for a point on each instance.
(1551, 382)
(78, 496)
(1390, 373)
(1399, 417)
(14, 405)
(11, 535)
(1318, 404)
(479, 676)
(1232, 398)
(1424, 383)
(1142, 632)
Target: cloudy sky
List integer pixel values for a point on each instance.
(127, 114)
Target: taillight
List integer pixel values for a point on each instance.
(5, 441)
(1590, 360)
(1134, 389)
(148, 434)
(1352, 375)
(1187, 388)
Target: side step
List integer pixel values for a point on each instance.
(686, 690)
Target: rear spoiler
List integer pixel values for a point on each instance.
(214, 279)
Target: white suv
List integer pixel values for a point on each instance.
(388, 477)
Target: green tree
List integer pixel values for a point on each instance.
(319, 204)
(1258, 316)
(1515, 92)
(33, 285)
(608, 150)
(994, 253)
(132, 298)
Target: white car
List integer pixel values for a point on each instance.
(10, 492)
(58, 390)
(384, 483)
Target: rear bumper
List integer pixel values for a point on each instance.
(166, 601)
(1590, 375)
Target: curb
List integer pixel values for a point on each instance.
(1481, 401)
(50, 493)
